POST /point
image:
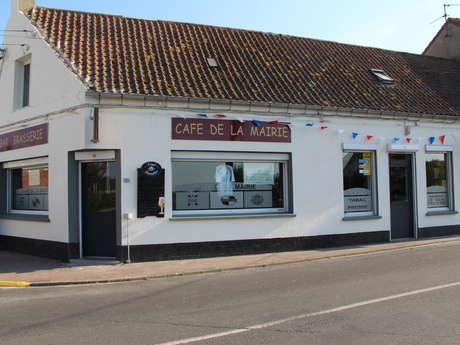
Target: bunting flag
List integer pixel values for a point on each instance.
(442, 138)
(354, 135)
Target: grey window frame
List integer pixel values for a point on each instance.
(374, 189)
(430, 149)
(25, 164)
(240, 157)
(22, 87)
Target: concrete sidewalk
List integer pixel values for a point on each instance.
(23, 270)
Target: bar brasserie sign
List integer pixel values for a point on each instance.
(229, 130)
(37, 135)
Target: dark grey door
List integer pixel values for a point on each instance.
(401, 196)
(99, 209)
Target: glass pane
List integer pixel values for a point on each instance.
(398, 184)
(101, 186)
(436, 180)
(26, 86)
(214, 185)
(29, 189)
(357, 181)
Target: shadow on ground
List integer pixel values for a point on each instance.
(19, 263)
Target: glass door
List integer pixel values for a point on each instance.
(401, 196)
(99, 209)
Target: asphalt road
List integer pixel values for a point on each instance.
(401, 297)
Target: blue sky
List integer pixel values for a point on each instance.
(402, 25)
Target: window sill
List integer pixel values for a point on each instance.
(348, 218)
(27, 217)
(19, 108)
(440, 213)
(236, 216)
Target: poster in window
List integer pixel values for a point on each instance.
(34, 177)
(259, 173)
(437, 196)
(365, 167)
(192, 200)
(358, 200)
(258, 199)
(218, 201)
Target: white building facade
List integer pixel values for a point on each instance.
(87, 173)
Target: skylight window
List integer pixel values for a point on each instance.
(382, 76)
(212, 62)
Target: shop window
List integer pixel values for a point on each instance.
(229, 183)
(359, 183)
(27, 188)
(438, 180)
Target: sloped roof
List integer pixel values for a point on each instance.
(115, 54)
(455, 21)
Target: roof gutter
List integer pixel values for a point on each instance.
(105, 99)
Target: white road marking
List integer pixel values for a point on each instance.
(307, 315)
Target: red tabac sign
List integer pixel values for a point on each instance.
(229, 130)
(37, 135)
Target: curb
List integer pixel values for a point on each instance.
(216, 270)
(14, 284)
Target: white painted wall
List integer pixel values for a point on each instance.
(144, 135)
(53, 86)
(66, 133)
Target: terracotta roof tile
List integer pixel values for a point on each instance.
(116, 54)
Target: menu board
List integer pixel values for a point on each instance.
(259, 173)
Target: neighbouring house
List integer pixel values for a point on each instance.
(445, 43)
(151, 139)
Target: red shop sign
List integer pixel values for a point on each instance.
(229, 130)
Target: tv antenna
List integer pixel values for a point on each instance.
(445, 16)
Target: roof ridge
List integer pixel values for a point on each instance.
(78, 11)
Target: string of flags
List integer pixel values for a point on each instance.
(354, 134)
(395, 140)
